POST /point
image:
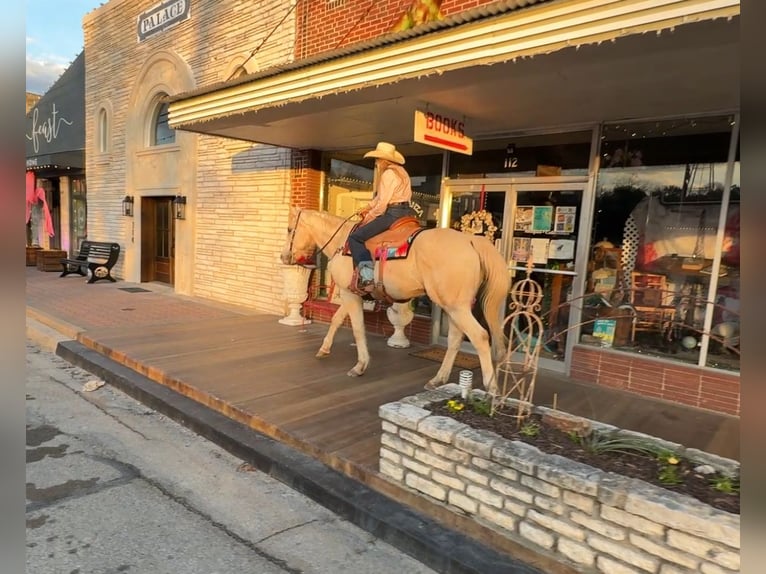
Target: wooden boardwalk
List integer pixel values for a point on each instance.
(265, 375)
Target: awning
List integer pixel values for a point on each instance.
(65, 160)
(551, 64)
(55, 126)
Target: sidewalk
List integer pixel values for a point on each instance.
(61, 309)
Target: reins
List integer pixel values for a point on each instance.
(295, 227)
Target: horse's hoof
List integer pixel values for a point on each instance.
(322, 354)
(435, 383)
(429, 386)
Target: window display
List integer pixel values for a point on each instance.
(659, 210)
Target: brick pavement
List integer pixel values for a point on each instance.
(104, 304)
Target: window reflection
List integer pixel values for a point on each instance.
(658, 207)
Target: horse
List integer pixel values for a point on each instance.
(452, 268)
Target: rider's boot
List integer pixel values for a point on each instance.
(366, 274)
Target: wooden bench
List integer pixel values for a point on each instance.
(98, 257)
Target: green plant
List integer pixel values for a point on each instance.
(599, 443)
(481, 406)
(727, 484)
(668, 475)
(530, 428)
(574, 436)
(669, 461)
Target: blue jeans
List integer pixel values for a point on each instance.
(378, 225)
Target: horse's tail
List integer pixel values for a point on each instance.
(493, 291)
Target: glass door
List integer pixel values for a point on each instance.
(538, 227)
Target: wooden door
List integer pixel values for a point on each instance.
(157, 240)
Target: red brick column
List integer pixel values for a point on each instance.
(306, 178)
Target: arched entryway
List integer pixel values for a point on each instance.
(160, 166)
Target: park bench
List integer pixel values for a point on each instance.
(96, 257)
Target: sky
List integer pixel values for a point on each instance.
(54, 38)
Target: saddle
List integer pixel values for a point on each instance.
(393, 243)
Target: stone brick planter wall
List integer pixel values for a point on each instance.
(594, 520)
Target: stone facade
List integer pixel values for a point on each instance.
(593, 520)
(238, 193)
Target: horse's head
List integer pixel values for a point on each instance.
(300, 247)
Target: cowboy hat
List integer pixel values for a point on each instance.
(387, 151)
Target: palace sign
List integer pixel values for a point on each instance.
(443, 130)
(162, 16)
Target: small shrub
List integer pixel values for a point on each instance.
(669, 475)
(530, 428)
(481, 406)
(726, 484)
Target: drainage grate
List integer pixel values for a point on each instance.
(134, 289)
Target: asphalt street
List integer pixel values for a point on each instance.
(114, 487)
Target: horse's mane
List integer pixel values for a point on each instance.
(332, 220)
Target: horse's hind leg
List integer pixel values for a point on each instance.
(479, 338)
(454, 338)
(335, 323)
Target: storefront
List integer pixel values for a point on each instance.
(196, 213)
(55, 163)
(596, 128)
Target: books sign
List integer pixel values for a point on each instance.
(162, 16)
(443, 130)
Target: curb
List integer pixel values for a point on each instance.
(44, 336)
(64, 329)
(424, 539)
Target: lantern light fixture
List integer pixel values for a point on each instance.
(127, 206)
(179, 203)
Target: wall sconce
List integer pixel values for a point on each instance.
(127, 206)
(180, 206)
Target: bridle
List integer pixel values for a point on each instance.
(295, 227)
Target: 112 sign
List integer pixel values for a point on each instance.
(511, 161)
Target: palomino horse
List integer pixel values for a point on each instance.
(454, 269)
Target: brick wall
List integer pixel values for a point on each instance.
(241, 222)
(239, 208)
(596, 521)
(326, 25)
(686, 384)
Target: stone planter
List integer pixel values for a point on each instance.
(295, 290)
(593, 520)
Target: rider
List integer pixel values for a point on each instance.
(391, 201)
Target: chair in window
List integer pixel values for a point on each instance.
(647, 298)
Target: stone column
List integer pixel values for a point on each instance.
(400, 315)
(296, 279)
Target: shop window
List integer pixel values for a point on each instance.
(656, 241)
(162, 133)
(103, 131)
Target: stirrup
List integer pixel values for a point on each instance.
(358, 286)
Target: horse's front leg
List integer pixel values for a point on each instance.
(335, 323)
(353, 305)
